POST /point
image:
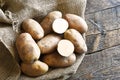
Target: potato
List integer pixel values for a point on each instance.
(56, 60)
(59, 26)
(76, 22)
(34, 69)
(33, 28)
(48, 20)
(27, 49)
(65, 47)
(76, 38)
(49, 43)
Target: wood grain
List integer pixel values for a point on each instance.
(99, 42)
(97, 5)
(104, 61)
(107, 20)
(103, 65)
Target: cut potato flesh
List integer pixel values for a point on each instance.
(65, 48)
(60, 25)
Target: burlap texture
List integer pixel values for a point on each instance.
(12, 13)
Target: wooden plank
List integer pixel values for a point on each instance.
(108, 19)
(97, 5)
(103, 65)
(118, 11)
(98, 42)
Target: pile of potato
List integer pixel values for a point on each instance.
(50, 43)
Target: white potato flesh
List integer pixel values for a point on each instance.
(60, 25)
(65, 48)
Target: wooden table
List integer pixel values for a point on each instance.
(102, 62)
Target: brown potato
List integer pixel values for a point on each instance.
(33, 28)
(76, 22)
(34, 69)
(48, 20)
(76, 38)
(28, 50)
(49, 43)
(56, 60)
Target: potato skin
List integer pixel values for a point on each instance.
(76, 38)
(76, 22)
(33, 28)
(49, 43)
(27, 49)
(34, 69)
(48, 20)
(56, 60)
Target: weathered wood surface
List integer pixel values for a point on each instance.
(109, 22)
(108, 19)
(104, 61)
(104, 65)
(97, 42)
(97, 5)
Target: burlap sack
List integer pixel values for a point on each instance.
(12, 13)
